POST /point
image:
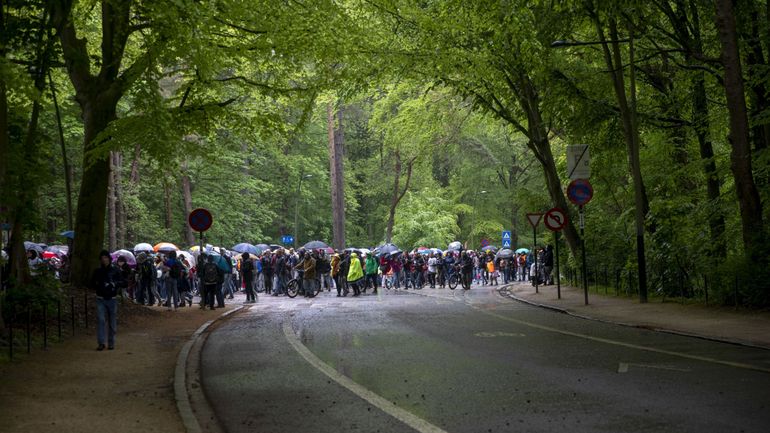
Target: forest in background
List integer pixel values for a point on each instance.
(451, 119)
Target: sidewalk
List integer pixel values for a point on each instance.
(716, 323)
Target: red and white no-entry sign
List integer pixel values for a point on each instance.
(555, 219)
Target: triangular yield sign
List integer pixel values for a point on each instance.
(534, 218)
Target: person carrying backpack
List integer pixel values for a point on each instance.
(211, 275)
(174, 267)
(247, 270)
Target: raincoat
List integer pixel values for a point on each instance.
(355, 272)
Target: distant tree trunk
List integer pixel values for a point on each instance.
(112, 208)
(702, 126)
(397, 194)
(135, 164)
(187, 198)
(120, 208)
(167, 204)
(337, 176)
(740, 156)
(65, 159)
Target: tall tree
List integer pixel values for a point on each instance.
(740, 155)
(337, 174)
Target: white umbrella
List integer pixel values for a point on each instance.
(190, 258)
(147, 248)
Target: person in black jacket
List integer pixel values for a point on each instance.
(106, 281)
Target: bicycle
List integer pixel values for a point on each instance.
(294, 286)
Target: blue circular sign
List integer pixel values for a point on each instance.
(200, 220)
(580, 191)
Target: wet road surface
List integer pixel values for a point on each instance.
(455, 361)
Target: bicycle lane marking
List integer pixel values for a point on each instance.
(604, 340)
(376, 400)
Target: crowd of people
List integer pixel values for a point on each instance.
(173, 279)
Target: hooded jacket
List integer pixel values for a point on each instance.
(355, 272)
(106, 280)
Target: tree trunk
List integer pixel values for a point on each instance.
(614, 63)
(167, 205)
(98, 112)
(120, 205)
(337, 177)
(397, 193)
(112, 208)
(187, 198)
(135, 164)
(740, 155)
(65, 159)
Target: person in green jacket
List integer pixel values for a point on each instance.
(355, 274)
(372, 266)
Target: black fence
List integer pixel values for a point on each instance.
(36, 324)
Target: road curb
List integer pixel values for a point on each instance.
(505, 292)
(181, 394)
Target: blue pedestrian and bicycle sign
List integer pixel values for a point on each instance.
(580, 191)
(506, 239)
(287, 239)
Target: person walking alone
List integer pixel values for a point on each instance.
(247, 270)
(106, 281)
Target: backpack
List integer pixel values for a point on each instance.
(176, 270)
(210, 274)
(247, 267)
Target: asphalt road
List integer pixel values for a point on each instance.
(454, 361)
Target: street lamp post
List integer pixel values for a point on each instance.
(296, 208)
(631, 128)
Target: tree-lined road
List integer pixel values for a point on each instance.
(472, 361)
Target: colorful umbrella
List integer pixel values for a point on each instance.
(165, 247)
(522, 251)
(489, 248)
(130, 259)
(69, 234)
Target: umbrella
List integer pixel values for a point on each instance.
(165, 247)
(522, 251)
(147, 248)
(59, 250)
(32, 246)
(386, 248)
(353, 250)
(69, 234)
(263, 247)
(315, 245)
(219, 260)
(396, 253)
(190, 258)
(455, 246)
(489, 248)
(130, 259)
(505, 253)
(424, 252)
(328, 250)
(274, 247)
(48, 255)
(247, 248)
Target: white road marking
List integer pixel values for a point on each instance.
(614, 342)
(623, 367)
(383, 404)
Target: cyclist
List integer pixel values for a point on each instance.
(466, 262)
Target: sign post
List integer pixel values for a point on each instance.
(506, 239)
(578, 162)
(581, 192)
(555, 220)
(287, 239)
(200, 220)
(534, 220)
